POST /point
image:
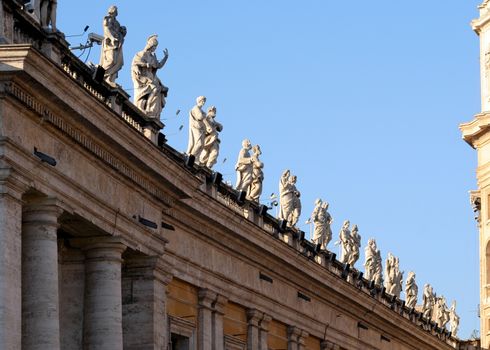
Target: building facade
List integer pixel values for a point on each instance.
(111, 239)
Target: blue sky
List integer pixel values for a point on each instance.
(360, 99)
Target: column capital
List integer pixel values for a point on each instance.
(264, 322)
(254, 317)
(152, 267)
(293, 334)
(302, 337)
(206, 298)
(39, 209)
(12, 184)
(220, 303)
(101, 248)
(328, 345)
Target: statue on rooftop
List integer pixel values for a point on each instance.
(453, 319)
(442, 312)
(149, 92)
(244, 167)
(45, 11)
(355, 246)
(345, 242)
(411, 290)
(373, 270)
(322, 221)
(197, 129)
(428, 301)
(210, 150)
(111, 57)
(393, 282)
(290, 203)
(255, 189)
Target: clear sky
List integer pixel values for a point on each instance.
(360, 99)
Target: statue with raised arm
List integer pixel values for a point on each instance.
(411, 290)
(45, 11)
(149, 92)
(197, 129)
(210, 151)
(322, 220)
(355, 246)
(370, 253)
(255, 189)
(428, 302)
(244, 167)
(345, 240)
(453, 319)
(111, 57)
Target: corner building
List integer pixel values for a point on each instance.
(110, 240)
(477, 134)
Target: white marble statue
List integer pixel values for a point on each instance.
(453, 319)
(378, 273)
(244, 167)
(210, 150)
(355, 246)
(370, 253)
(289, 201)
(111, 57)
(345, 240)
(45, 12)
(393, 281)
(322, 221)
(428, 301)
(197, 129)
(442, 312)
(255, 189)
(149, 92)
(411, 290)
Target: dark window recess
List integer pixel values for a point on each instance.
(265, 278)
(385, 339)
(179, 342)
(303, 296)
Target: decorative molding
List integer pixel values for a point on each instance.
(87, 142)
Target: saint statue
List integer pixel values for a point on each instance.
(149, 92)
(290, 203)
(428, 301)
(453, 319)
(197, 129)
(111, 58)
(411, 290)
(244, 167)
(322, 220)
(255, 189)
(45, 11)
(393, 282)
(442, 312)
(345, 241)
(355, 246)
(210, 150)
(372, 263)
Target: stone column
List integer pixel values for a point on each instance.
(10, 262)
(293, 336)
(103, 304)
(144, 284)
(263, 332)
(40, 294)
(205, 322)
(218, 313)
(302, 340)
(253, 334)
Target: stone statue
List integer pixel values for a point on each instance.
(355, 246)
(442, 312)
(45, 11)
(290, 203)
(244, 167)
(255, 189)
(345, 242)
(370, 253)
(197, 129)
(428, 302)
(393, 282)
(149, 92)
(411, 290)
(378, 272)
(210, 150)
(322, 221)
(453, 319)
(111, 57)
